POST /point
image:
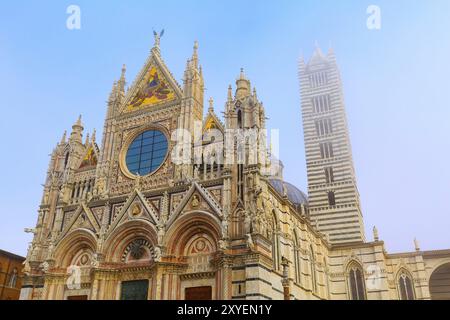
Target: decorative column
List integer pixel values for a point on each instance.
(285, 281)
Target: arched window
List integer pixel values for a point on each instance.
(297, 261)
(13, 279)
(356, 282)
(405, 286)
(239, 119)
(66, 160)
(313, 269)
(275, 243)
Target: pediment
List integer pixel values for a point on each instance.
(196, 198)
(83, 218)
(153, 86)
(135, 208)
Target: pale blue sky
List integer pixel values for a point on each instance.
(396, 90)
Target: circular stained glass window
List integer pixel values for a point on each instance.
(147, 152)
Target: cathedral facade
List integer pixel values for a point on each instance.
(177, 205)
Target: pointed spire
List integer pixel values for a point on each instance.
(86, 143)
(195, 54)
(122, 81)
(93, 136)
(230, 93)
(317, 56)
(243, 86)
(255, 96)
(211, 105)
(301, 60)
(63, 139)
(78, 123)
(77, 131)
(112, 95)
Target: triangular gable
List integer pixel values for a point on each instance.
(195, 189)
(82, 219)
(212, 122)
(136, 207)
(153, 86)
(90, 159)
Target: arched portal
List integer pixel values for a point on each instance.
(440, 283)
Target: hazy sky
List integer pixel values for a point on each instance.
(396, 88)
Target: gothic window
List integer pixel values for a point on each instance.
(13, 279)
(66, 160)
(312, 263)
(356, 283)
(239, 119)
(326, 150)
(321, 103)
(405, 286)
(147, 152)
(318, 79)
(331, 198)
(297, 259)
(324, 127)
(275, 243)
(329, 175)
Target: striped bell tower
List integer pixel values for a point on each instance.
(333, 195)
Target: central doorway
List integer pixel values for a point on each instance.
(134, 290)
(198, 293)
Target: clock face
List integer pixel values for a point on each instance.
(146, 153)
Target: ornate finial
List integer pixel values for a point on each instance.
(195, 46)
(158, 37)
(87, 140)
(78, 123)
(242, 75)
(375, 234)
(124, 69)
(211, 104)
(195, 55)
(416, 244)
(254, 93)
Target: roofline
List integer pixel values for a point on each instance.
(11, 255)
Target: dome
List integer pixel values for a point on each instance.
(293, 193)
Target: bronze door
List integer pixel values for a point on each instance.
(134, 290)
